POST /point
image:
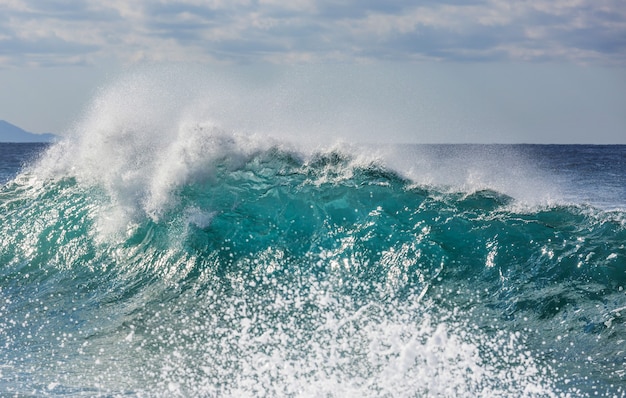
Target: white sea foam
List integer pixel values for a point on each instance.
(369, 351)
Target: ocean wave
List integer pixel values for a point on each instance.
(154, 253)
(269, 271)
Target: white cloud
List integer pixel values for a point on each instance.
(309, 6)
(55, 32)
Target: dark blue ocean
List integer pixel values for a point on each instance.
(212, 264)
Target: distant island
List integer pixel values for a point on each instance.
(12, 133)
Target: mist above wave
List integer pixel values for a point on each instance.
(156, 129)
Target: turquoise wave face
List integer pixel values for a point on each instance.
(271, 274)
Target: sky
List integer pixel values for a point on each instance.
(489, 71)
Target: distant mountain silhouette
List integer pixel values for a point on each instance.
(12, 133)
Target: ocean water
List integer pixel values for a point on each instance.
(144, 258)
